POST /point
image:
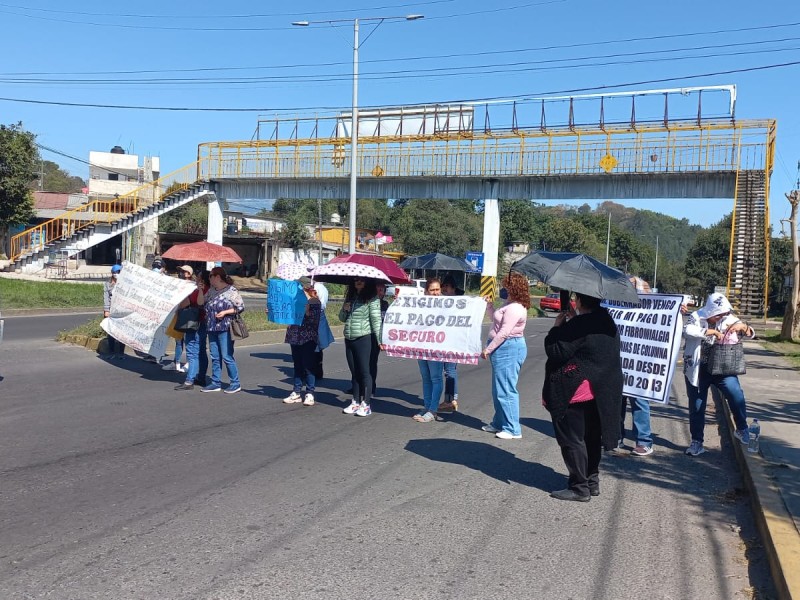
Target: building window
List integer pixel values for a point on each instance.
(113, 177)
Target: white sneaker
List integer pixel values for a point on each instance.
(363, 410)
(171, 366)
(308, 400)
(350, 410)
(182, 367)
(505, 435)
(292, 398)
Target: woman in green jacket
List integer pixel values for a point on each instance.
(361, 314)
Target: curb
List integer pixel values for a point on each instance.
(256, 338)
(774, 523)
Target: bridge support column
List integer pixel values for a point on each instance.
(215, 222)
(491, 245)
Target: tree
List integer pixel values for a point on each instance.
(425, 226)
(294, 233)
(189, 218)
(18, 159)
(707, 259)
(790, 329)
(57, 179)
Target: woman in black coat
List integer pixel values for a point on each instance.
(583, 391)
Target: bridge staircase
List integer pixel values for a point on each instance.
(749, 253)
(77, 230)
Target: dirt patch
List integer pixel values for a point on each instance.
(249, 284)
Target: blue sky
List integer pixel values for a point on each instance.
(491, 50)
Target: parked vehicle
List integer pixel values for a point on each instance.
(417, 289)
(552, 302)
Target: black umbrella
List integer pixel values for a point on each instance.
(578, 273)
(437, 262)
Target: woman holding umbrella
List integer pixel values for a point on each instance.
(361, 314)
(583, 391)
(222, 303)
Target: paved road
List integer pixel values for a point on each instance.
(114, 486)
(42, 327)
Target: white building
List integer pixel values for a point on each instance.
(113, 174)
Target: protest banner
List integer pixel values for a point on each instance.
(439, 328)
(286, 302)
(142, 306)
(650, 341)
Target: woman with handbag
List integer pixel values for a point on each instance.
(190, 318)
(222, 304)
(303, 340)
(713, 325)
(583, 391)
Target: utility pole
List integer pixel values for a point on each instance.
(790, 329)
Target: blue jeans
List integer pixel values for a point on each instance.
(450, 380)
(196, 356)
(432, 383)
(221, 345)
(506, 362)
(731, 390)
(305, 363)
(640, 411)
(179, 345)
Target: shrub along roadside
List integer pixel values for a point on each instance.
(21, 294)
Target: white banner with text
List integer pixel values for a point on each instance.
(650, 341)
(142, 306)
(438, 328)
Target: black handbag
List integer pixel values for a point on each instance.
(560, 386)
(188, 319)
(726, 359)
(239, 328)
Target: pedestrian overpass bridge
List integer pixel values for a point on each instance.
(445, 155)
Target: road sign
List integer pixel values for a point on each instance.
(476, 260)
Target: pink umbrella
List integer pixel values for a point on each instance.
(386, 266)
(293, 270)
(343, 272)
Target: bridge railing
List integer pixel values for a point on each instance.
(99, 211)
(726, 146)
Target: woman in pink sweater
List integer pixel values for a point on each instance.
(507, 351)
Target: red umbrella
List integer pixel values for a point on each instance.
(386, 265)
(202, 252)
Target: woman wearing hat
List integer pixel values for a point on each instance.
(715, 323)
(185, 272)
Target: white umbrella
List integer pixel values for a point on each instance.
(345, 272)
(292, 270)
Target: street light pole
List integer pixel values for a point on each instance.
(354, 113)
(354, 143)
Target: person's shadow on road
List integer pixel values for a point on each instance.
(492, 461)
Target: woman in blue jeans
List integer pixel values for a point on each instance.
(715, 321)
(223, 302)
(195, 341)
(506, 350)
(432, 371)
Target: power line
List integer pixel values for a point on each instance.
(227, 16)
(451, 101)
(281, 28)
(459, 55)
(80, 160)
(438, 72)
